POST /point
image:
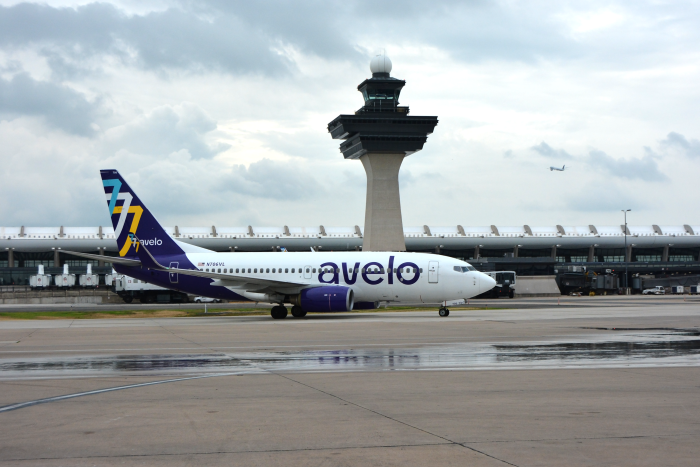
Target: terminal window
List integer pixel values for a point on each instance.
(681, 258)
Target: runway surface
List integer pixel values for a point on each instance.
(516, 303)
(593, 383)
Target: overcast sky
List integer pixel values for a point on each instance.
(216, 112)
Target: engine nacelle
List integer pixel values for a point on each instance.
(331, 298)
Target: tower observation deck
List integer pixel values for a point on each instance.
(380, 135)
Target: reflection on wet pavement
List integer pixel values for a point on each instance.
(619, 349)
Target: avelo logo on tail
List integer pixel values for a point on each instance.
(124, 210)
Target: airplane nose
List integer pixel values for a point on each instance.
(486, 283)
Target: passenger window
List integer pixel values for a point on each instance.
(273, 269)
(255, 270)
(381, 270)
(236, 270)
(268, 270)
(207, 269)
(314, 271)
(218, 270)
(286, 270)
(307, 269)
(421, 269)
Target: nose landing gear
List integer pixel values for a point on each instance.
(443, 311)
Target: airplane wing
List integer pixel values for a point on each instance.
(235, 281)
(108, 259)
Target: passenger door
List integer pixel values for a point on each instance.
(173, 275)
(433, 267)
(307, 272)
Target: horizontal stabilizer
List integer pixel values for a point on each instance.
(108, 259)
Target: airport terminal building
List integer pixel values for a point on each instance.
(528, 250)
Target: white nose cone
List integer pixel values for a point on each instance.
(380, 64)
(486, 283)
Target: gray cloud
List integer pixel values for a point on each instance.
(676, 141)
(544, 149)
(172, 39)
(60, 106)
(608, 199)
(165, 130)
(243, 37)
(645, 168)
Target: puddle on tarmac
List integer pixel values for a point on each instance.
(620, 349)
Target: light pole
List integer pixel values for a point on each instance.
(625, 211)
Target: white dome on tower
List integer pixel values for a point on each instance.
(380, 64)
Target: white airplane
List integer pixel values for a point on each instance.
(310, 281)
(563, 167)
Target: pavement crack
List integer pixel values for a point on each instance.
(251, 451)
(584, 438)
(21, 405)
(390, 418)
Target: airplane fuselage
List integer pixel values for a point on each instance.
(373, 276)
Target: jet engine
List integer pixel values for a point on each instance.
(330, 298)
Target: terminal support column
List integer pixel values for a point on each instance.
(56, 259)
(476, 252)
(591, 254)
(664, 255)
(554, 251)
(11, 257)
(383, 224)
(102, 253)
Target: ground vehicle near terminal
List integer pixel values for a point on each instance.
(658, 290)
(311, 281)
(505, 285)
(129, 288)
(588, 282)
(206, 300)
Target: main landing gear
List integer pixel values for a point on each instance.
(297, 312)
(443, 311)
(278, 312)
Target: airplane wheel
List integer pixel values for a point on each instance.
(297, 312)
(444, 312)
(278, 312)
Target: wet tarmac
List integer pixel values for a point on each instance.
(574, 386)
(614, 349)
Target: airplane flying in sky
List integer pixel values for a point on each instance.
(310, 281)
(563, 167)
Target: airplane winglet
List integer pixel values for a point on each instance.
(147, 258)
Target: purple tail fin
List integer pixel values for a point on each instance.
(130, 218)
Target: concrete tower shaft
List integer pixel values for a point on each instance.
(383, 221)
(381, 134)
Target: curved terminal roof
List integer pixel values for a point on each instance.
(250, 238)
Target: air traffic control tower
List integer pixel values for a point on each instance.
(381, 134)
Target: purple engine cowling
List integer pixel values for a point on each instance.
(331, 298)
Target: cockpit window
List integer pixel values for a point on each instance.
(464, 268)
